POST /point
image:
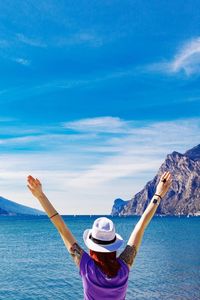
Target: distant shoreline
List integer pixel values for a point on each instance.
(111, 216)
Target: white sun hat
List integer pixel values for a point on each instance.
(102, 236)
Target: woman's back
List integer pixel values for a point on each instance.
(103, 238)
(97, 285)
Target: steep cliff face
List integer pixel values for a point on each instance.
(118, 206)
(183, 197)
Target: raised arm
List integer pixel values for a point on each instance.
(129, 253)
(70, 242)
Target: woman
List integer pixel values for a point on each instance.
(104, 275)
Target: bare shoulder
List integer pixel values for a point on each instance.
(76, 252)
(128, 255)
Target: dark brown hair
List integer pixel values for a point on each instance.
(107, 262)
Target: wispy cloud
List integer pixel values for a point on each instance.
(35, 42)
(187, 60)
(104, 124)
(78, 38)
(104, 134)
(92, 164)
(18, 41)
(63, 84)
(141, 150)
(22, 61)
(44, 142)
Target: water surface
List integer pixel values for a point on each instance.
(36, 265)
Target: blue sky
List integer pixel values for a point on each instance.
(94, 95)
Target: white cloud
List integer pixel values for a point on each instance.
(112, 169)
(187, 60)
(99, 124)
(86, 174)
(22, 61)
(43, 141)
(141, 150)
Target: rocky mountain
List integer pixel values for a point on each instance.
(118, 206)
(10, 208)
(183, 197)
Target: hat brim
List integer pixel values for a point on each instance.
(102, 248)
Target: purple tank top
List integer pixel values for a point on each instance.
(97, 285)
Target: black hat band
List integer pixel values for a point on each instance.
(102, 242)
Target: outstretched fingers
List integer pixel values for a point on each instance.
(30, 177)
(34, 183)
(38, 181)
(168, 179)
(165, 177)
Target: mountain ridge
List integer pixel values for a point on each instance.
(183, 197)
(11, 208)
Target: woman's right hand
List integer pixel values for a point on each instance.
(164, 184)
(34, 186)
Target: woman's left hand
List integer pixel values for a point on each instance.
(164, 184)
(34, 186)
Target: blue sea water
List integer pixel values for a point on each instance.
(36, 265)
